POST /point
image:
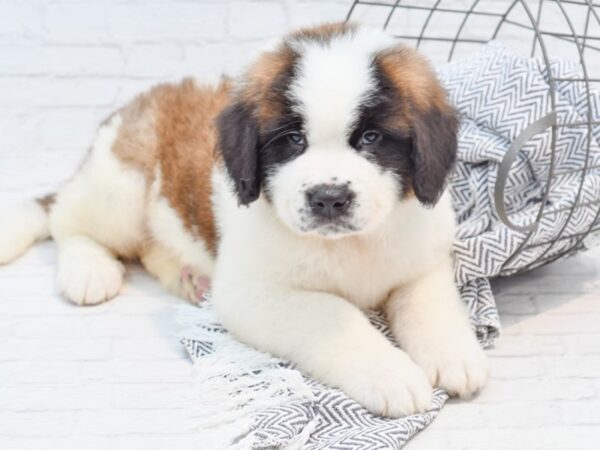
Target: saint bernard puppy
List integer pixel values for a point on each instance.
(307, 191)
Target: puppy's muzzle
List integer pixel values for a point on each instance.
(329, 201)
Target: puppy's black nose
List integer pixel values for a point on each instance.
(329, 200)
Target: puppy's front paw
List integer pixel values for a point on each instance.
(388, 384)
(457, 365)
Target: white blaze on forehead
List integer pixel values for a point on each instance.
(333, 80)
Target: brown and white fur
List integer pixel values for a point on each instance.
(310, 190)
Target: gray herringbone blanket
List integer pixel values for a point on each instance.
(247, 399)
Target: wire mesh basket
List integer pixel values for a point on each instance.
(544, 29)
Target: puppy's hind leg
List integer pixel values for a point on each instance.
(183, 280)
(98, 216)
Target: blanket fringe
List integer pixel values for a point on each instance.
(233, 383)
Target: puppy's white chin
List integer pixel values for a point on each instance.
(329, 234)
(336, 231)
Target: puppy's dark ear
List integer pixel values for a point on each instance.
(238, 144)
(434, 150)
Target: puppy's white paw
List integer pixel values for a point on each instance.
(387, 384)
(457, 365)
(87, 273)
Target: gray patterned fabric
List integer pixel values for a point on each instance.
(498, 94)
(246, 399)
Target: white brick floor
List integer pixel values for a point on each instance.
(114, 376)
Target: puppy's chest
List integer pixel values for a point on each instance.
(365, 273)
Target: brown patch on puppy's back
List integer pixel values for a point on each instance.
(186, 138)
(136, 142)
(171, 129)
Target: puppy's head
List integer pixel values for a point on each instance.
(335, 127)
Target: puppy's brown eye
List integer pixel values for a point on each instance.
(370, 137)
(296, 138)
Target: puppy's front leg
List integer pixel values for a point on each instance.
(431, 323)
(328, 338)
